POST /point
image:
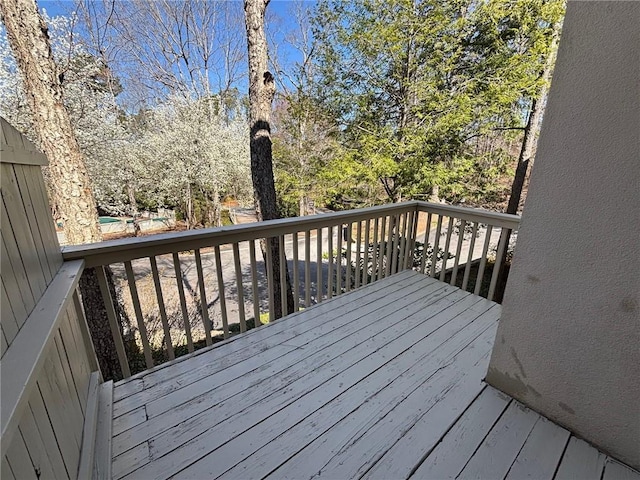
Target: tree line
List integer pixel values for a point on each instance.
(138, 104)
(375, 100)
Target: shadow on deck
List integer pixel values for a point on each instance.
(382, 382)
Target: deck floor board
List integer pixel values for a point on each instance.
(382, 382)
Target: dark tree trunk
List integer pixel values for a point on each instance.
(70, 186)
(527, 154)
(261, 91)
(99, 322)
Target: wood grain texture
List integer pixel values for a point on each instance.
(27, 353)
(496, 454)
(581, 460)
(381, 382)
(541, 453)
(614, 470)
(102, 457)
(450, 456)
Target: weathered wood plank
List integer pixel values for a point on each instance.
(278, 374)
(10, 325)
(27, 353)
(499, 450)
(44, 217)
(4, 344)
(207, 446)
(581, 460)
(316, 368)
(450, 456)
(70, 392)
(89, 430)
(249, 344)
(19, 461)
(18, 238)
(614, 470)
(31, 211)
(129, 420)
(58, 413)
(125, 463)
(184, 375)
(541, 452)
(48, 435)
(79, 350)
(37, 451)
(5, 472)
(16, 285)
(102, 457)
(391, 430)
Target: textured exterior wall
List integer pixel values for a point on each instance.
(568, 344)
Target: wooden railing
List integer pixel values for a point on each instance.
(181, 287)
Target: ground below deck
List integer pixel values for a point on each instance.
(382, 382)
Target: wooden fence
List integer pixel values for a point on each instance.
(48, 368)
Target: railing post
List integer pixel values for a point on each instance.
(113, 321)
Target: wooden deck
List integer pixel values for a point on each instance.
(383, 382)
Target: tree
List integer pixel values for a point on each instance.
(261, 92)
(69, 180)
(415, 85)
(304, 138)
(72, 195)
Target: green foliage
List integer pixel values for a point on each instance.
(413, 85)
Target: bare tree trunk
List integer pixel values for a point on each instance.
(72, 195)
(70, 186)
(261, 91)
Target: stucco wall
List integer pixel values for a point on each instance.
(568, 344)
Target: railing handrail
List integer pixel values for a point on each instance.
(104, 253)
(479, 215)
(111, 251)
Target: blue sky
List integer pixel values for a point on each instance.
(279, 28)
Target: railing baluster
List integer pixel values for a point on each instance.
(183, 301)
(221, 294)
(347, 282)
(423, 261)
(319, 266)
(374, 258)
(402, 241)
(397, 232)
(365, 263)
(204, 305)
(283, 276)
(483, 260)
(358, 245)
(414, 239)
(296, 273)
(447, 243)
(330, 269)
(254, 283)
(498, 264)
(142, 329)
(467, 269)
(404, 245)
(391, 226)
(113, 322)
(456, 261)
(339, 261)
(382, 248)
(238, 269)
(161, 307)
(307, 269)
(436, 246)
